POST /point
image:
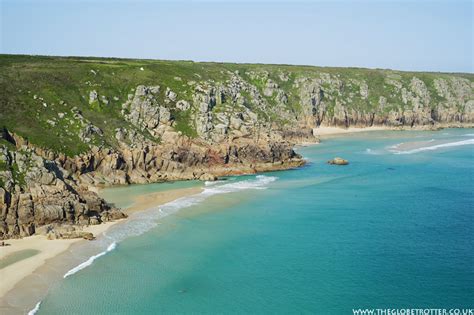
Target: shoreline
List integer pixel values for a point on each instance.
(16, 273)
(324, 131)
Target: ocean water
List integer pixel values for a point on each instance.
(393, 229)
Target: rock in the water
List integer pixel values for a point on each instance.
(338, 161)
(208, 177)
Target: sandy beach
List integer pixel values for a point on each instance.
(43, 249)
(47, 249)
(323, 131)
(329, 131)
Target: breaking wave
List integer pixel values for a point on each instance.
(213, 183)
(395, 150)
(35, 309)
(260, 182)
(89, 261)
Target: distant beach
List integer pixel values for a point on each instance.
(328, 131)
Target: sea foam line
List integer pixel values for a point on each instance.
(35, 309)
(435, 147)
(89, 261)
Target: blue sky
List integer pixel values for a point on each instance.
(405, 35)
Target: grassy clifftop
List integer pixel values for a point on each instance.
(48, 99)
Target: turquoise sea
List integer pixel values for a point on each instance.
(393, 229)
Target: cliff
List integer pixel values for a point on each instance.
(72, 123)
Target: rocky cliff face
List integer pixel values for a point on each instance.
(38, 193)
(85, 123)
(330, 101)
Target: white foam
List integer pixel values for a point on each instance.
(372, 152)
(35, 309)
(143, 221)
(469, 135)
(213, 183)
(89, 261)
(433, 147)
(260, 182)
(395, 147)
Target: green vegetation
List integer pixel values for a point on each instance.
(5, 143)
(184, 123)
(40, 96)
(3, 166)
(17, 176)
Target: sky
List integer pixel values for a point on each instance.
(404, 35)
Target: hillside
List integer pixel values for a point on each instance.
(42, 96)
(70, 123)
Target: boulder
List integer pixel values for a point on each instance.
(338, 161)
(170, 94)
(94, 220)
(208, 177)
(92, 96)
(112, 215)
(87, 236)
(182, 105)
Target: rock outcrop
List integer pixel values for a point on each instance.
(330, 101)
(36, 192)
(338, 161)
